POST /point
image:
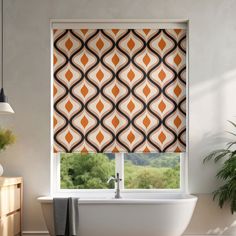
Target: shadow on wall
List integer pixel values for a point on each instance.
(208, 218)
(212, 103)
(217, 98)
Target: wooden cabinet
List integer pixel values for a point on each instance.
(11, 196)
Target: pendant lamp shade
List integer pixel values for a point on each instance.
(5, 107)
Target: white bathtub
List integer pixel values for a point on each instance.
(154, 215)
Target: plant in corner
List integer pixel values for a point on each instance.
(227, 173)
(6, 138)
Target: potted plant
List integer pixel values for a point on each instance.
(6, 138)
(227, 173)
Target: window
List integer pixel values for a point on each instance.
(139, 171)
(119, 87)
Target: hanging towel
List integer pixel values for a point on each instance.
(65, 216)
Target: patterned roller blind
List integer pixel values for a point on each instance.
(119, 90)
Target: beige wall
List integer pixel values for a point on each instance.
(212, 83)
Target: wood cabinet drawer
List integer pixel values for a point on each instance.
(10, 225)
(11, 197)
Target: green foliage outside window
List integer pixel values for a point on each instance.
(142, 171)
(152, 171)
(86, 171)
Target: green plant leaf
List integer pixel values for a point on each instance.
(227, 173)
(233, 206)
(6, 138)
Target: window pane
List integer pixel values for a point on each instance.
(87, 171)
(152, 170)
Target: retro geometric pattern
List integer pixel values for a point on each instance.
(119, 90)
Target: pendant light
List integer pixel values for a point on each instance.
(5, 107)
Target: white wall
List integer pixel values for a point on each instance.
(212, 82)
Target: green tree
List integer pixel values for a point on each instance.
(171, 177)
(86, 171)
(91, 171)
(151, 176)
(148, 179)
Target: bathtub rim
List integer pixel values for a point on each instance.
(180, 198)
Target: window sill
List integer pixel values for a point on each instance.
(110, 193)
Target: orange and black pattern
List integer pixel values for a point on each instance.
(119, 90)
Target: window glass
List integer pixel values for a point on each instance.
(87, 171)
(152, 170)
(141, 171)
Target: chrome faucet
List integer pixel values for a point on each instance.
(117, 180)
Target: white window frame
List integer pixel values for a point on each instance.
(119, 168)
(55, 189)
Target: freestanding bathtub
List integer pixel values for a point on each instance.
(154, 215)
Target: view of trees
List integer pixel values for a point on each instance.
(86, 171)
(153, 170)
(146, 171)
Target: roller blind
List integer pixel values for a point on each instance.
(119, 90)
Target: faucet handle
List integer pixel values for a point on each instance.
(118, 177)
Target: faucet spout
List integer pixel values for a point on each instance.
(111, 179)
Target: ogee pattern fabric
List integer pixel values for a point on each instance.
(119, 90)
